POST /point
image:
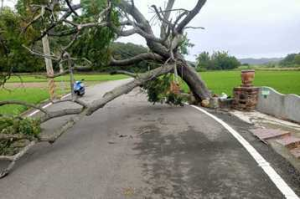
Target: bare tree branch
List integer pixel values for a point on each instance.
(62, 33)
(155, 43)
(74, 7)
(15, 158)
(136, 59)
(125, 23)
(15, 102)
(71, 8)
(168, 11)
(190, 16)
(61, 113)
(165, 21)
(194, 27)
(123, 33)
(76, 101)
(66, 126)
(123, 72)
(53, 57)
(107, 98)
(126, 88)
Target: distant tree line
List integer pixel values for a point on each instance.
(219, 60)
(291, 60)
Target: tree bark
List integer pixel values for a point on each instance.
(187, 73)
(194, 81)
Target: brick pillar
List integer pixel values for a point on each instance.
(245, 98)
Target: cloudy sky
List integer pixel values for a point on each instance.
(245, 28)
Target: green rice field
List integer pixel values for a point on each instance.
(286, 82)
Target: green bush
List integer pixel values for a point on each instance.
(30, 128)
(158, 90)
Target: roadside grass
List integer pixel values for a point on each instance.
(37, 95)
(30, 95)
(87, 77)
(286, 82)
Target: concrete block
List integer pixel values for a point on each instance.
(265, 134)
(279, 105)
(289, 142)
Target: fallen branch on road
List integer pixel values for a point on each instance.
(79, 113)
(14, 159)
(163, 50)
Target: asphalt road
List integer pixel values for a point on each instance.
(132, 149)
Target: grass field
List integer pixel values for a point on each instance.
(264, 68)
(31, 95)
(220, 81)
(37, 95)
(86, 77)
(285, 82)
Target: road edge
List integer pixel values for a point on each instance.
(284, 188)
(30, 114)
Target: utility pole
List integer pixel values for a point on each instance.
(62, 83)
(72, 79)
(2, 4)
(49, 67)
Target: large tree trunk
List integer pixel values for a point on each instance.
(167, 48)
(194, 81)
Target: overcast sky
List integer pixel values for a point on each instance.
(245, 28)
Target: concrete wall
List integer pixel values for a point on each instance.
(279, 105)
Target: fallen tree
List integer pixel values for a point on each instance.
(163, 51)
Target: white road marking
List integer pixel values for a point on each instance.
(46, 106)
(67, 95)
(273, 175)
(36, 111)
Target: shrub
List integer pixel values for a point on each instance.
(159, 90)
(29, 128)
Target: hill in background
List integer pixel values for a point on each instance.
(253, 61)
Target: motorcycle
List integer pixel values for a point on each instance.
(79, 88)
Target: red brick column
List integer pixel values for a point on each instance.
(245, 98)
